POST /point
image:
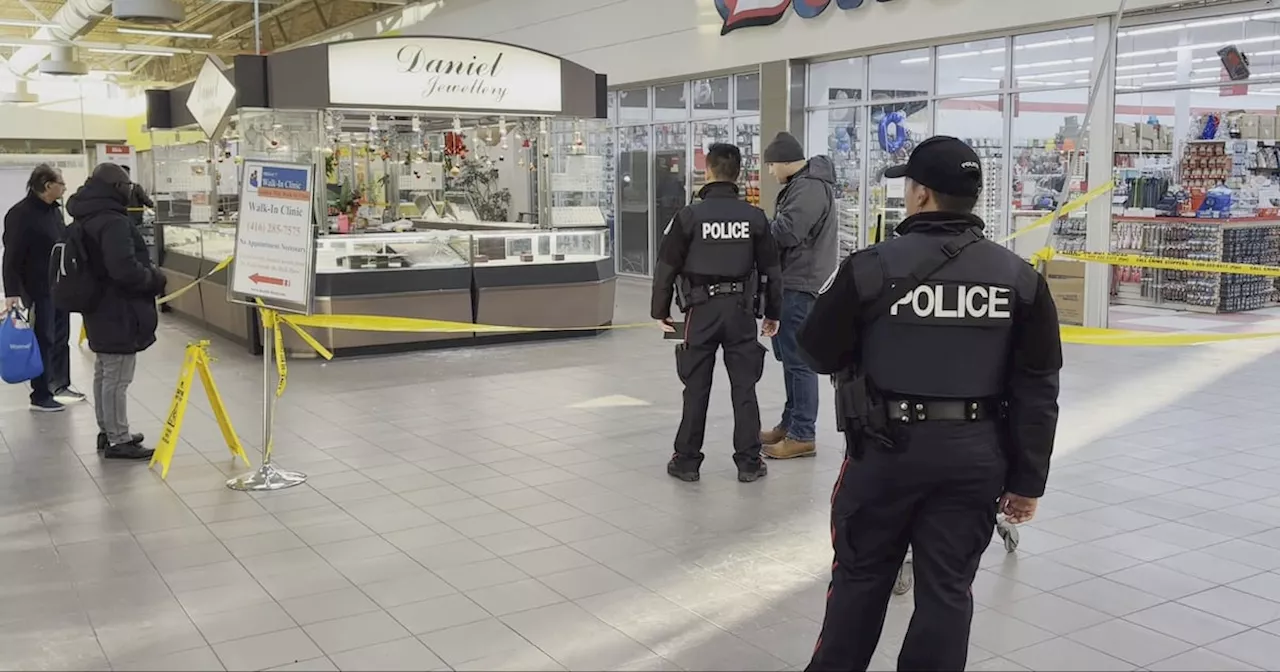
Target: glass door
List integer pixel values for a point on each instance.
(633, 200)
(705, 134)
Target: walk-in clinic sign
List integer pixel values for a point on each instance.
(274, 237)
(747, 13)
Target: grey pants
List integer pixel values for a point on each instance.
(111, 377)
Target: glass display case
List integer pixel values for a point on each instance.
(420, 249)
(206, 242)
(541, 247)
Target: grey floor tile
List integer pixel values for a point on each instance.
(527, 658)
(1183, 622)
(229, 625)
(1255, 647)
(1234, 605)
(416, 587)
(481, 574)
(194, 660)
(354, 632)
(1001, 634)
(1159, 581)
(438, 613)
(1130, 642)
(1109, 597)
(403, 654)
(321, 664)
(517, 541)
(586, 581)
(1064, 654)
(1055, 614)
(268, 650)
(489, 638)
(328, 606)
(510, 598)
(547, 561)
(1200, 660)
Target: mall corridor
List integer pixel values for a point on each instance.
(506, 508)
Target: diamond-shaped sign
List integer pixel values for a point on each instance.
(211, 97)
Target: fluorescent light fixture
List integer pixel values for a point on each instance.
(1262, 16)
(1050, 75)
(979, 80)
(1055, 43)
(134, 52)
(111, 73)
(19, 23)
(1196, 47)
(914, 61)
(165, 33)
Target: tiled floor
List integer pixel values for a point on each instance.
(506, 508)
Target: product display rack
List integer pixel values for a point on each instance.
(1246, 241)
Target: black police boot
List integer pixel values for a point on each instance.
(750, 474)
(684, 472)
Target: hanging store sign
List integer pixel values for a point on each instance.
(211, 97)
(443, 73)
(747, 13)
(275, 240)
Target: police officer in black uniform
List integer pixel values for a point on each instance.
(719, 260)
(946, 351)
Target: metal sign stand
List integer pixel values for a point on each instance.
(267, 476)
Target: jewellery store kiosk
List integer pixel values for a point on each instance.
(462, 186)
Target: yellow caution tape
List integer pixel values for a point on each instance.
(1122, 337)
(195, 361)
(1166, 263)
(191, 285)
(1067, 209)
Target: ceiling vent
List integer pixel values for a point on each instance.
(62, 62)
(19, 95)
(148, 11)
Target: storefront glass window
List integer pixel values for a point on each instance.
(748, 139)
(903, 74)
(670, 173)
(971, 66)
(979, 121)
(633, 200)
(1185, 53)
(893, 131)
(1055, 59)
(838, 134)
(1046, 130)
(633, 106)
(837, 82)
(671, 102)
(747, 92)
(710, 97)
(612, 104)
(705, 134)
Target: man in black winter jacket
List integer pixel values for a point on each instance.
(124, 321)
(31, 228)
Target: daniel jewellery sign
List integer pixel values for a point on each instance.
(443, 73)
(746, 13)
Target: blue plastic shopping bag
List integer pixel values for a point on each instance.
(19, 353)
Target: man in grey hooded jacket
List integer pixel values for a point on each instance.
(806, 230)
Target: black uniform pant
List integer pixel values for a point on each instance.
(52, 329)
(939, 495)
(723, 322)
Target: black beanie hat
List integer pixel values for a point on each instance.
(784, 149)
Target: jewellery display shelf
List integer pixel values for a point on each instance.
(1245, 241)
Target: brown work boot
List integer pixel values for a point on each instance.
(771, 436)
(789, 448)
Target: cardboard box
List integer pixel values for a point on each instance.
(1250, 127)
(1266, 127)
(1131, 137)
(1066, 284)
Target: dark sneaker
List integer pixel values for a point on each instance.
(127, 451)
(749, 475)
(684, 473)
(103, 442)
(68, 395)
(47, 406)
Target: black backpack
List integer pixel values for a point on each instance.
(75, 288)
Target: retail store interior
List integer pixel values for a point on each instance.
(487, 499)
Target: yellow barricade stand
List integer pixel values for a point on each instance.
(196, 361)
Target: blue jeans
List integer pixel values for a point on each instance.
(800, 415)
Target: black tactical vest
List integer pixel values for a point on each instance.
(950, 337)
(721, 246)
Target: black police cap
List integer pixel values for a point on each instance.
(944, 164)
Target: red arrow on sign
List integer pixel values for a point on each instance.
(259, 279)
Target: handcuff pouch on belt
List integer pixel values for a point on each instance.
(688, 296)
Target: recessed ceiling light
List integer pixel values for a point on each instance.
(164, 33)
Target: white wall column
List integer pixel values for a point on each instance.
(1097, 279)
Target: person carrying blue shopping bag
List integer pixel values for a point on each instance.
(32, 227)
(20, 359)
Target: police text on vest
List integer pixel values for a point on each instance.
(957, 302)
(726, 230)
